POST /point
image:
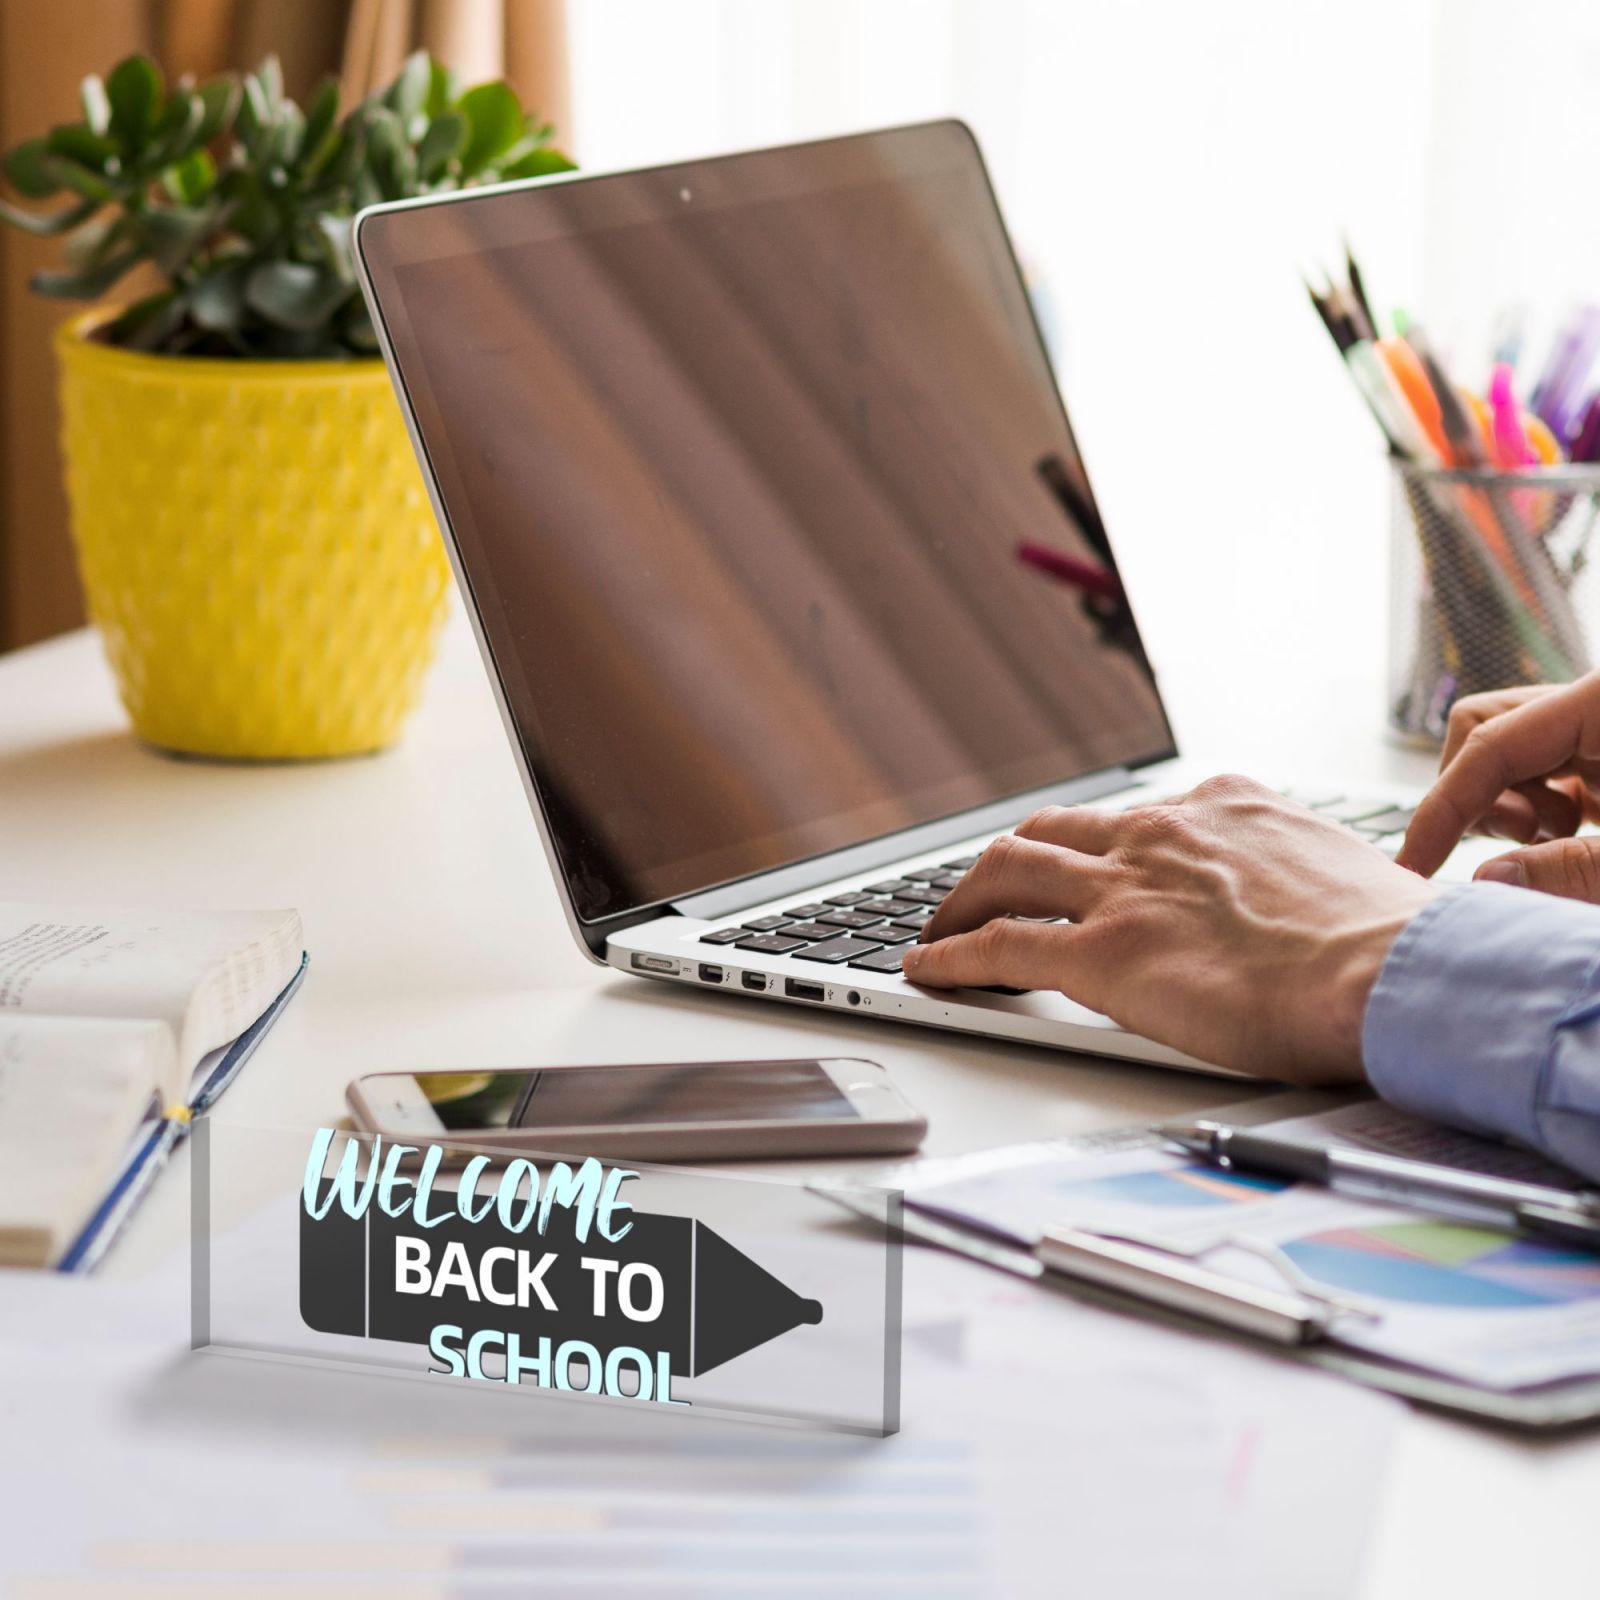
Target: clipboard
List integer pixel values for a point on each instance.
(1546, 1408)
(1543, 1408)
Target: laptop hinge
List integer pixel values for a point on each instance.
(804, 875)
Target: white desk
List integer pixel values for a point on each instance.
(436, 939)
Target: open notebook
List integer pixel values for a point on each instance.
(115, 1027)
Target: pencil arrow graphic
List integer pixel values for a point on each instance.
(714, 1302)
(738, 1305)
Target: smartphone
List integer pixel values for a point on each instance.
(667, 1111)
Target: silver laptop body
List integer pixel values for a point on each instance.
(781, 555)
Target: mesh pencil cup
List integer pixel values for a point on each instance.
(1488, 586)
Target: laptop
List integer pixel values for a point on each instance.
(781, 555)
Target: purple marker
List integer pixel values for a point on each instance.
(1555, 367)
(1559, 403)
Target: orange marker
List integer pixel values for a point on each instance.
(1479, 409)
(1412, 380)
(1542, 440)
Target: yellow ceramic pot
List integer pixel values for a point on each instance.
(256, 545)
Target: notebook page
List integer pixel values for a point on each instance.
(207, 975)
(72, 1090)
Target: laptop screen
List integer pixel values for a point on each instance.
(764, 494)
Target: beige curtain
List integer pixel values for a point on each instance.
(46, 48)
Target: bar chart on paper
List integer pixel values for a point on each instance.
(1139, 1190)
(1189, 1187)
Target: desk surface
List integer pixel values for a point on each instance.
(436, 939)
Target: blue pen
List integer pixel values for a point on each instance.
(111, 1216)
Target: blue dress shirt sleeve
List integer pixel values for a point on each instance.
(1486, 1015)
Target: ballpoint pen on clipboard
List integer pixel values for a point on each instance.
(1535, 1210)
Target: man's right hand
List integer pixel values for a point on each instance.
(1520, 764)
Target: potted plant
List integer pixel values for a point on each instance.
(251, 526)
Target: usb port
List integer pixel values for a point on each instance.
(709, 973)
(643, 963)
(753, 980)
(799, 989)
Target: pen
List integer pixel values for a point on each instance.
(1510, 439)
(1530, 1208)
(1553, 375)
(1586, 447)
(1147, 1274)
(1387, 403)
(1132, 1270)
(104, 1228)
(1562, 401)
(1508, 337)
(1412, 381)
(1084, 576)
(1358, 291)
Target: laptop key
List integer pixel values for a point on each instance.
(722, 936)
(852, 899)
(887, 908)
(925, 896)
(914, 920)
(814, 908)
(851, 919)
(768, 924)
(889, 886)
(879, 961)
(1315, 799)
(894, 935)
(837, 950)
(770, 944)
(1395, 821)
(965, 864)
(926, 874)
(948, 881)
(810, 932)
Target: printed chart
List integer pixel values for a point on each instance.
(1191, 1188)
(1448, 1265)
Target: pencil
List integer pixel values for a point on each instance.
(1358, 290)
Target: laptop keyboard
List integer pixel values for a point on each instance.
(862, 927)
(866, 927)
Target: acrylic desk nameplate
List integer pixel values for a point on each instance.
(546, 1275)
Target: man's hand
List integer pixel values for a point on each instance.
(1521, 764)
(1231, 924)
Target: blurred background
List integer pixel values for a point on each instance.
(1169, 172)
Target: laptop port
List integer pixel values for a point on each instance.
(709, 973)
(753, 980)
(799, 989)
(664, 964)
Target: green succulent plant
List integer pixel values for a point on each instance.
(243, 200)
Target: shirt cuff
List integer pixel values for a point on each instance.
(1464, 1013)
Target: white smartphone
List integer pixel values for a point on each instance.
(667, 1111)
